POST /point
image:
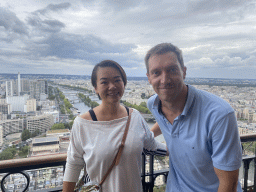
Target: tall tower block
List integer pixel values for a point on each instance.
(19, 88)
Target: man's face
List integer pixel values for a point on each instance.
(166, 76)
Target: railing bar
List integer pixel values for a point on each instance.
(32, 161)
(39, 166)
(254, 188)
(246, 167)
(151, 171)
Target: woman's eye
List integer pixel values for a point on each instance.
(103, 82)
(117, 80)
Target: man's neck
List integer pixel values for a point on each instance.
(173, 109)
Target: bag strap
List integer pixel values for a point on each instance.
(120, 150)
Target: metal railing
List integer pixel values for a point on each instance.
(21, 166)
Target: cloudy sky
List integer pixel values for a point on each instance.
(217, 37)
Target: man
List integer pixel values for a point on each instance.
(200, 128)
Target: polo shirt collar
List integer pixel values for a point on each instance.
(190, 99)
(156, 102)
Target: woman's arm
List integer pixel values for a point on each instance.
(156, 130)
(68, 186)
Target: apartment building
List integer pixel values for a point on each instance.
(12, 126)
(30, 105)
(1, 136)
(42, 122)
(9, 89)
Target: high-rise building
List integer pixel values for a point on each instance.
(5, 108)
(38, 87)
(1, 136)
(9, 89)
(19, 86)
(25, 88)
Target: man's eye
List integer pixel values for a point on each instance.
(117, 80)
(174, 70)
(103, 82)
(155, 73)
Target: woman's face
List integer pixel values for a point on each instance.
(110, 85)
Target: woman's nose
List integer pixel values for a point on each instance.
(112, 86)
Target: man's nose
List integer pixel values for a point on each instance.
(165, 78)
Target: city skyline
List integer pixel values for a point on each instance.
(69, 37)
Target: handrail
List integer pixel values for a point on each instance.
(33, 160)
(248, 137)
(15, 165)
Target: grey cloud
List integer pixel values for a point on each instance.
(113, 5)
(46, 25)
(208, 6)
(11, 23)
(89, 48)
(54, 8)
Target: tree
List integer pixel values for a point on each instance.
(52, 97)
(25, 135)
(143, 104)
(67, 125)
(35, 133)
(24, 151)
(58, 126)
(71, 123)
(94, 104)
(6, 155)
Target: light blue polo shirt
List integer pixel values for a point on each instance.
(205, 135)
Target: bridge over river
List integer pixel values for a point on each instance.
(148, 117)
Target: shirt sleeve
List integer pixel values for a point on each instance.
(75, 161)
(226, 144)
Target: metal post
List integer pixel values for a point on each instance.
(246, 168)
(151, 171)
(143, 171)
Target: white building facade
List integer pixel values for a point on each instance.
(42, 122)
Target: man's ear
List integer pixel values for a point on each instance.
(184, 72)
(148, 78)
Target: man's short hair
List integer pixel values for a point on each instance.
(161, 49)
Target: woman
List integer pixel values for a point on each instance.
(95, 137)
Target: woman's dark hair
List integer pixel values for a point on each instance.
(107, 63)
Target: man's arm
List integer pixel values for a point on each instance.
(228, 180)
(68, 186)
(156, 130)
